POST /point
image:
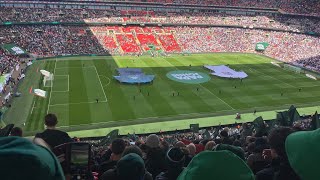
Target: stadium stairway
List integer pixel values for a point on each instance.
(128, 43)
(169, 43)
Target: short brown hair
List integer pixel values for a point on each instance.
(50, 120)
(16, 131)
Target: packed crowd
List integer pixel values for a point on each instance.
(246, 151)
(7, 62)
(50, 15)
(309, 63)
(118, 16)
(48, 40)
(280, 22)
(291, 6)
(283, 46)
(310, 7)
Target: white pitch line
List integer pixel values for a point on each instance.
(217, 97)
(274, 78)
(68, 82)
(76, 67)
(209, 115)
(54, 71)
(207, 90)
(65, 104)
(109, 81)
(101, 84)
(32, 107)
(271, 77)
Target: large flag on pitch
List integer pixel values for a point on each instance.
(40, 93)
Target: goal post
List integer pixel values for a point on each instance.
(47, 78)
(292, 68)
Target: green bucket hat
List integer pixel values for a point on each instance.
(303, 151)
(209, 165)
(21, 159)
(236, 150)
(131, 166)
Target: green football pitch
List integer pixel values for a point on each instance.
(79, 81)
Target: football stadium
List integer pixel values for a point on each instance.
(178, 89)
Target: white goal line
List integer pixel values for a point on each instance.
(68, 83)
(65, 104)
(83, 67)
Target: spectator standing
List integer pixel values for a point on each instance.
(16, 131)
(175, 159)
(279, 168)
(129, 167)
(303, 149)
(51, 135)
(155, 160)
(117, 147)
(21, 159)
(225, 137)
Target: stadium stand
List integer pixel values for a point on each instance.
(251, 151)
(164, 156)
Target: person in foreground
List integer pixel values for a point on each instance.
(303, 150)
(51, 135)
(129, 167)
(279, 169)
(22, 159)
(223, 164)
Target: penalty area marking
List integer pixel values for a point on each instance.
(109, 80)
(186, 114)
(83, 67)
(68, 83)
(65, 104)
(54, 71)
(34, 102)
(101, 84)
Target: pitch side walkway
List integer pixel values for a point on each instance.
(184, 124)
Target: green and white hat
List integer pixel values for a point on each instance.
(303, 151)
(223, 165)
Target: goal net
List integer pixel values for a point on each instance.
(48, 80)
(292, 68)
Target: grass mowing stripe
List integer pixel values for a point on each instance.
(159, 100)
(117, 103)
(258, 91)
(181, 104)
(208, 90)
(78, 114)
(41, 105)
(137, 95)
(54, 72)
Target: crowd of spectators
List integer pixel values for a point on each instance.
(117, 16)
(50, 15)
(283, 46)
(7, 62)
(310, 7)
(52, 40)
(240, 151)
(46, 40)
